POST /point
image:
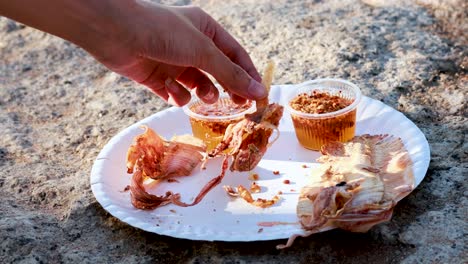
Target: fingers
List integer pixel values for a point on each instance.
(171, 91)
(237, 99)
(204, 88)
(160, 82)
(230, 75)
(210, 49)
(154, 80)
(233, 50)
(207, 93)
(178, 95)
(218, 53)
(161, 92)
(165, 81)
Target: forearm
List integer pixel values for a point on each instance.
(83, 22)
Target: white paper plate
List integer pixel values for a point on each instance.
(217, 216)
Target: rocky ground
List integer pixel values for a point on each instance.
(58, 108)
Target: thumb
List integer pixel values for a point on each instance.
(230, 75)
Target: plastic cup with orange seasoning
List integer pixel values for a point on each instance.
(209, 121)
(324, 110)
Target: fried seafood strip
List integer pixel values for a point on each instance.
(362, 181)
(247, 196)
(248, 139)
(159, 159)
(142, 199)
(153, 157)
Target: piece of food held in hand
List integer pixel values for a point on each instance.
(323, 111)
(248, 140)
(361, 182)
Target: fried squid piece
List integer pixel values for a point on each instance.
(142, 199)
(362, 181)
(153, 157)
(159, 159)
(247, 196)
(248, 139)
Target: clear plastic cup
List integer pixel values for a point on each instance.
(209, 121)
(328, 123)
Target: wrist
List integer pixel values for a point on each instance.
(101, 25)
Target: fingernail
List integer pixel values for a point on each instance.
(257, 90)
(210, 95)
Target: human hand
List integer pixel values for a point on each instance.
(158, 46)
(164, 48)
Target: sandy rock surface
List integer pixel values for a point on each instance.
(58, 108)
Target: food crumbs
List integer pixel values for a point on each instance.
(319, 103)
(126, 188)
(172, 180)
(304, 166)
(254, 177)
(280, 192)
(255, 188)
(276, 172)
(172, 211)
(286, 182)
(260, 230)
(292, 190)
